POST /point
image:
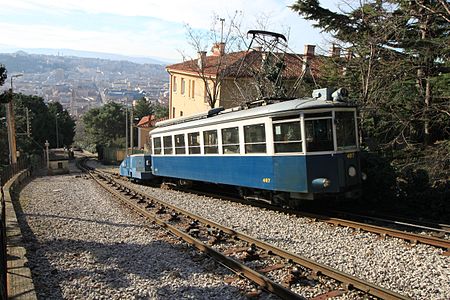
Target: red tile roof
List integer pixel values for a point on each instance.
(149, 121)
(243, 64)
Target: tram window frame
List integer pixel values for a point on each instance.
(343, 131)
(194, 148)
(209, 147)
(180, 145)
(230, 140)
(282, 142)
(254, 143)
(168, 150)
(322, 145)
(157, 150)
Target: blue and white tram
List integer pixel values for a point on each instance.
(296, 149)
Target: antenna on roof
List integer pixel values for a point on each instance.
(258, 34)
(221, 32)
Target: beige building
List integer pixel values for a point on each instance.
(231, 77)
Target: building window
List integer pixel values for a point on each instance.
(181, 113)
(189, 88)
(206, 93)
(183, 86)
(194, 143)
(210, 142)
(173, 112)
(174, 84)
(255, 138)
(193, 89)
(230, 140)
(287, 137)
(179, 144)
(157, 145)
(167, 140)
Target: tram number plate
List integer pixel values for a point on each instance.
(266, 180)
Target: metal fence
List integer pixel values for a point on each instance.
(3, 254)
(6, 173)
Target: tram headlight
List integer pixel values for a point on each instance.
(363, 176)
(321, 183)
(352, 171)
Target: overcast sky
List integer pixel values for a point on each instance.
(140, 27)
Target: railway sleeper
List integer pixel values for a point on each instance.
(328, 295)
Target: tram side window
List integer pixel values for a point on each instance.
(345, 130)
(255, 138)
(179, 144)
(194, 143)
(230, 140)
(210, 142)
(287, 137)
(157, 145)
(319, 135)
(167, 140)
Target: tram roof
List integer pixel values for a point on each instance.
(237, 113)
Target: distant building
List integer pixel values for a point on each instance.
(124, 94)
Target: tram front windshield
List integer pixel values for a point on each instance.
(319, 131)
(345, 130)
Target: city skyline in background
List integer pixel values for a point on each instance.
(152, 29)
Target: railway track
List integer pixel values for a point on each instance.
(244, 255)
(383, 226)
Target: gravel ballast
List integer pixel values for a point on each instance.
(419, 272)
(82, 244)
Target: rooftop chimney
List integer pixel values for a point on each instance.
(218, 49)
(335, 51)
(309, 50)
(308, 54)
(201, 59)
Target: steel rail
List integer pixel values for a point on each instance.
(425, 225)
(382, 231)
(317, 268)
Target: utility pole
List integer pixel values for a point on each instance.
(46, 153)
(28, 121)
(11, 125)
(57, 135)
(131, 128)
(126, 128)
(221, 33)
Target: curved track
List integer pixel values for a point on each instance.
(246, 256)
(381, 226)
